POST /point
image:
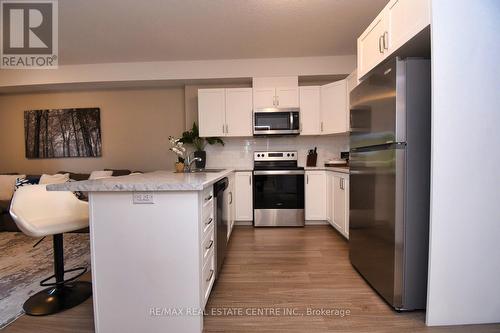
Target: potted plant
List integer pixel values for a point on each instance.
(176, 146)
(192, 137)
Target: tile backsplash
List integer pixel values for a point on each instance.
(238, 152)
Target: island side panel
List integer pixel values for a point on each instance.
(145, 259)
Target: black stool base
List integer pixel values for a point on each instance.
(57, 299)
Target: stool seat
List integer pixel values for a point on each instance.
(38, 212)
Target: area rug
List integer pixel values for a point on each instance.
(22, 267)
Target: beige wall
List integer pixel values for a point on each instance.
(135, 128)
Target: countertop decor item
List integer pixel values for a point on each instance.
(192, 137)
(178, 148)
(336, 163)
(179, 166)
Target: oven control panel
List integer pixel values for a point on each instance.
(275, 156)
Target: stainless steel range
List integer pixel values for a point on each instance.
(278, 190)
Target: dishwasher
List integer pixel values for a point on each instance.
(220, 223)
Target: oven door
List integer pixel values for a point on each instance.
(276, 121)
(278, 197)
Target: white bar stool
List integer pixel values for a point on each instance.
(40, 213)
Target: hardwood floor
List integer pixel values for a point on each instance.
(276, 270)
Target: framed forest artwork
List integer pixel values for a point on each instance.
(62, 133)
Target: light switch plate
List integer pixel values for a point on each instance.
(143, 198)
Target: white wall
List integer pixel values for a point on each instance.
(179, 70)
(464, 267)
(238, 152)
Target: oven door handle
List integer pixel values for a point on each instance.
(278, 172)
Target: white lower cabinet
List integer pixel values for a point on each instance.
(315, 195)
(338, 201)
(327, 199)
(230, 205)
(243, 201)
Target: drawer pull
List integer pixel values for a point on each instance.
(208, 198)
(211, 275)
(209, 221)
(209, 246)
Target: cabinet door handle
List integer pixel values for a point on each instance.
(380, 44)
(274, 100)
(210, 276)
(307, 179)
(250, 180)
(230, 197)
(209, 246)
(385, 40)
(208, 198)
(321, 126)
(223, 131)
(209, 221)
(277, 100)
(227, 128)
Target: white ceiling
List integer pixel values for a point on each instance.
(102, 31)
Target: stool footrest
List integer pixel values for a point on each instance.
(82, 270)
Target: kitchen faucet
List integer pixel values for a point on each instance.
(189, 162)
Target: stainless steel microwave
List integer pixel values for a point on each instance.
(273, 121)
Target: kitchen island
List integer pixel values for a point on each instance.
(152, 249)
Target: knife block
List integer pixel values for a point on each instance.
(311, 160)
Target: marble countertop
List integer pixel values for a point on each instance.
(335, 169)
(148, 182)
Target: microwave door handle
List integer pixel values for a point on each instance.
(291, 120)
(266, 127)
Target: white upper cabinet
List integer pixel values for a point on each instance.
(287, 97)
(239, 112)
(315, 196)
(397, 23)
(372, 44)
(405, 19)
(264, 97)
(309, 100)
(211, 112)
(225, 112)
(275, 92)
(334, 108)
(352, 81)
(243, 198)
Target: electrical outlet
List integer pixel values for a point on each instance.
(143, 198)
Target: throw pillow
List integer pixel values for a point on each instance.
(20, 182)
(100, 174)
(7, 186)
(54, 179)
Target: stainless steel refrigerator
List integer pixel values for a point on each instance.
(389, 180)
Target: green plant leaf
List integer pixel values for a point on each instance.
(192, 137)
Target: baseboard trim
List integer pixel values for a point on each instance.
(243, 222)
(317, 223)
